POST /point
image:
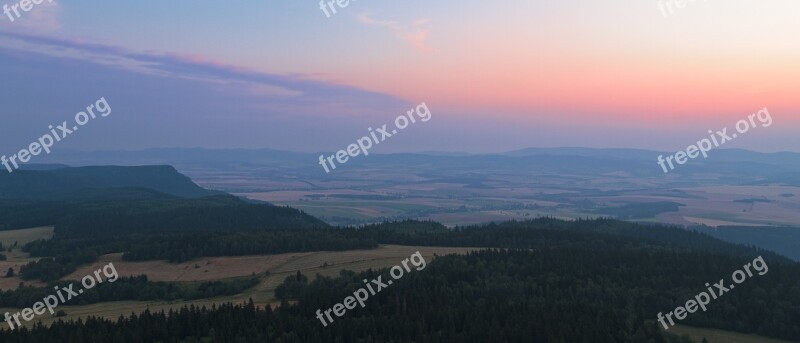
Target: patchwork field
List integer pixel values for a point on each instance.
(18, 258)
(278, 266)
(24, 236)
(349, 198)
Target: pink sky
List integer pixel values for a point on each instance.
(561, 69)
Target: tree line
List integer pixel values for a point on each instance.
(568, 294)
(135, 288)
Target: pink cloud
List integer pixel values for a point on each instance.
(415, 34)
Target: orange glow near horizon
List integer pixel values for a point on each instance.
(645, 68)
(633, 90)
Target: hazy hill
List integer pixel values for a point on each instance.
(69, 183)
(107, 198)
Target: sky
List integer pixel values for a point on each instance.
(496, 76)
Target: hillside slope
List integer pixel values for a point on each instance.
(69, 183)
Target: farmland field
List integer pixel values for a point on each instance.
(18, 258)
(220, 268)
(349, 198)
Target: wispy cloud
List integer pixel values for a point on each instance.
(415, 34)
(175, 100)
(188, 67)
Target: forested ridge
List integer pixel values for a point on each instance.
(71, 183)
(582, 293)
(541, 233)
(179, 230)
(265, 231)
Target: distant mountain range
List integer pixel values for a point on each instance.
(729, 166)
(201, 155)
